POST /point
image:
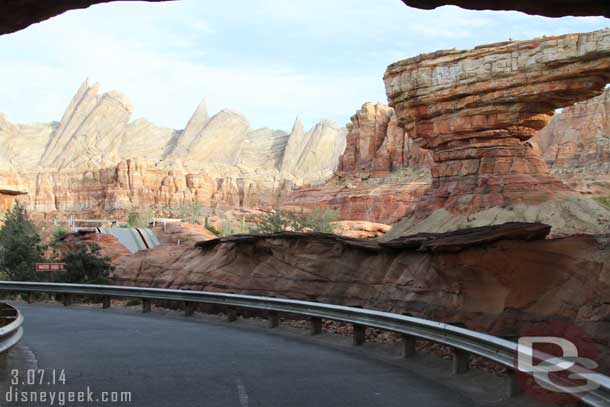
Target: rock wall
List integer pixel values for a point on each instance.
(377, 147)
(488, 279)
(576, 145)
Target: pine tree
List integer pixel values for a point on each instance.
(20, 246)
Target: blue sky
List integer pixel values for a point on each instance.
(269, 59)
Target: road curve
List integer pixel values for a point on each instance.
(167, 361)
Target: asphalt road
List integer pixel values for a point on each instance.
(165, 361)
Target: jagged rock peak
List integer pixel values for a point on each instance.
(90, 131)
(194, 127)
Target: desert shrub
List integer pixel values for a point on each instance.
(140, 219)
(211, 228)
(20, 246)
(85, 265)
(604, 201)
(320, 220)
(191, 212)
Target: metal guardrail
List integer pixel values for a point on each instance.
(10, 329)
(463, 341)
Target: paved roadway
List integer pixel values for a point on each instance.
(167, 361)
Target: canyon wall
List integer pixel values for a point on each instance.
(95, 159)
(576, 145)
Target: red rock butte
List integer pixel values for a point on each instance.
(477, 109)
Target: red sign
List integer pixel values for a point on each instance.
(50, 266)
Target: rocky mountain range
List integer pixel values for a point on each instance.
(96, 158)
(371, 170)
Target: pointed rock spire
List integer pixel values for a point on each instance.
(194, 127)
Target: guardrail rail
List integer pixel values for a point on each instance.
(10, 329)
(464, 342)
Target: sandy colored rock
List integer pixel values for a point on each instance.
(477, 109)
(181, 233)
(376, 146)
(576, 145)
(360, 229)
(312, 157)
(145, 140)
(263, 148)
(96, 161)
(91, 130)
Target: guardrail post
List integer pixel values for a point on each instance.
(28, 297)
(106, 302)
(231, 314)
(146, 306)
(67, 300)
(189, 309)
(512, 384)
(461, 361)
(274, 319)
(316, 326)
(408, 346)
(359, 334)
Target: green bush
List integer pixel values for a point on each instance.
(320, 220)
(20, 246)
(58, 234)
(85, 265)
(211, 228)
(140, 219)
(604, 201)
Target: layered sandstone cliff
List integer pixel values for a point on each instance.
(377, 147)
(476, 110)
(381, 174)
(97, 160)
(576, 145)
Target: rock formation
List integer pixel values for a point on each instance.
(308, 154)
(477, 109)
(576, 145)
(376, 146)
(90, 132)
(488, 279)
(95, 160)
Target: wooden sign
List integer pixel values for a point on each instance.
(50, 266)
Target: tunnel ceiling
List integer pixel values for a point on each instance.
(16, 15)
(549, 8)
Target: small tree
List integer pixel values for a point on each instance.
(320, 220)
(140, 219)
(86, 265)
(277, 221)
(20, 246)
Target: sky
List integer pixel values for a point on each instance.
(268, 59)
